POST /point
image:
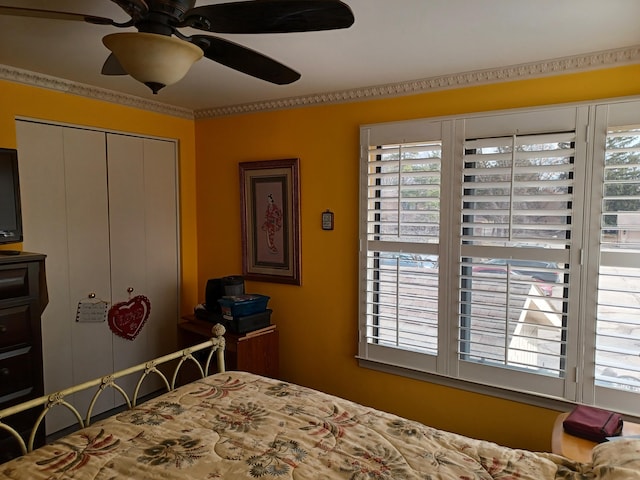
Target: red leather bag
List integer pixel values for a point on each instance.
(593, 423)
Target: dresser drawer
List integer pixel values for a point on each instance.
(16, 375)
(9, 447)
(14, 282)
(22, 423)
(15, 326)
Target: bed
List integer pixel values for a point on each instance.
(235, 425)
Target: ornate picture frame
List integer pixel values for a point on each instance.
(270, 208)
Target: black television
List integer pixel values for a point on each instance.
(10, 211)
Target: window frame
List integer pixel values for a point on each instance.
(589, 121)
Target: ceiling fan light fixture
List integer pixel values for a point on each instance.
(153, 59)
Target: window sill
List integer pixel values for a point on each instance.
(527, 398)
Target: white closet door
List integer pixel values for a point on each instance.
(66, 217)
(103, 207)
(162, 247)
(88, 257)
(44, 218)
(127, 234)
(143, 232)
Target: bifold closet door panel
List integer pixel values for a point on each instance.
(44, 218)
(88, 257)
(162, 247)
(127, 234)
(66, 217)
(143, 229)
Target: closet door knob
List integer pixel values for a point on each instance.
(3, 329)
(4, 372)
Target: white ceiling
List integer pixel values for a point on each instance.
(391, 41)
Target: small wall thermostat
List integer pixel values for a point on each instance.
(327, 220)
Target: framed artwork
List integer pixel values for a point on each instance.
(270, 205)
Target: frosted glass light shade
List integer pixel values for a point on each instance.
(155, 60)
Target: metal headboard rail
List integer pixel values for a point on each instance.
(216, 346)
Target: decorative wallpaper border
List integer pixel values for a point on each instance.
(589, 61)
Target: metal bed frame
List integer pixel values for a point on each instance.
(215, 345)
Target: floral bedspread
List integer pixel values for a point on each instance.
(237, 425)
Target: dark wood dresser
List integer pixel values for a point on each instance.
(23, 297)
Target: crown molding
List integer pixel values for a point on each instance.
(67, 86)
(590, 61)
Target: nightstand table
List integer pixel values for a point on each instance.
(256, 352)
(577, 448)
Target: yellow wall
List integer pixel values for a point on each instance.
(18, 100)
(317, 320)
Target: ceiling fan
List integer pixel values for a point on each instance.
(158, 54)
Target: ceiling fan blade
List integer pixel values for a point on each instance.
(112, 66)
(245, 60)
(270, 16)
(37, 13)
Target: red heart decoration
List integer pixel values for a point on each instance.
(127, 318)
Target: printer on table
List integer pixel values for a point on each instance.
(227, 303)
